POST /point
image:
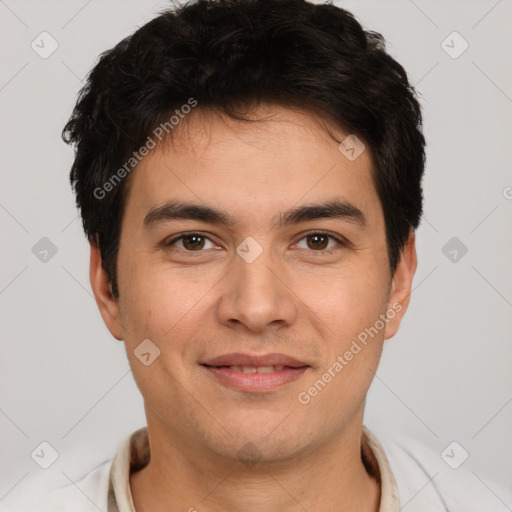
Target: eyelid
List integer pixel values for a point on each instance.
(343, 242)
(184, 234)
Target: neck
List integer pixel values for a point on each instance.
(330, 477)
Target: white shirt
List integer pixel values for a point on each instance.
(413, 478)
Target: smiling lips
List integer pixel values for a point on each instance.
(255, 373)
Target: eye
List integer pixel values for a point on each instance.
(190, 242)
(318, 241)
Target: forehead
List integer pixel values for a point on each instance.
(256, 168)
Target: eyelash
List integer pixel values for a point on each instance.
(340, 241)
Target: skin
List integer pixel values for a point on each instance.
(294, 299)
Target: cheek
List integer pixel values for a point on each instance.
(153, 298)
(171, 311)
(353, 332)
(156, 308)
(347, 303)
(353, 335)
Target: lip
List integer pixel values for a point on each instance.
(255, 382)
(241, 359)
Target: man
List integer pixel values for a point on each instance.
(249, 178)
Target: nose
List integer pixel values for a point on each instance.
(256, 295)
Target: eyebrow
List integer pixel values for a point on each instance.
(334, 209)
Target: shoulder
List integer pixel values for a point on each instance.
(440, 478)
(88, 494)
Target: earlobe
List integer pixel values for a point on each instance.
(102, 289)
(401, 286)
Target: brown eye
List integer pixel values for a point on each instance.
(190, 242)
(321, 242)
(318, 241)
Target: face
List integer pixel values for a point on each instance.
(241, 283)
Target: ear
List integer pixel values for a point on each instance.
(401, 286)
(107, 304)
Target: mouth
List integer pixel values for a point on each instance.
(255, 373)
(253, 369)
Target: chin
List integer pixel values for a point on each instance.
(267, 440)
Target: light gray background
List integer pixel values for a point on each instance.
(447, 374)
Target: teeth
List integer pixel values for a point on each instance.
(258, 369)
